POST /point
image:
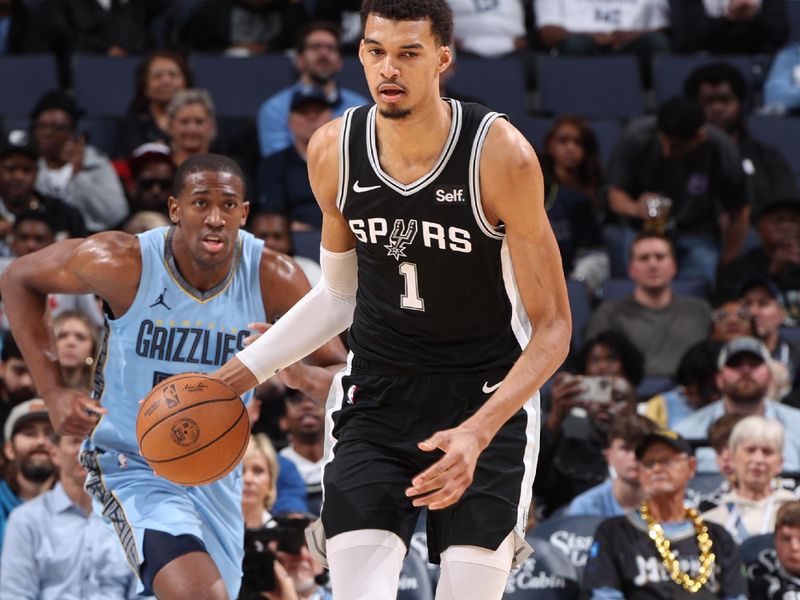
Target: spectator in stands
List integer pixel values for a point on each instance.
(749, 508)
(29, 469)
(301, 567)
(73, 170)
(573, 178)
(489, 30)
(698, 168)
(274, 229)
(158, 77)
(18, 172)
(659, 322)
(21, 29)
(304, 422)
(346, 14)
(145, 220)
(192, 125)
(259, 481)
(152, 170)
(778, 258)
(733, 26)
(730, 320)
(282, 178)
(696, 386)
(318, 61)
(622, 491)
(577, 27)
(722, 91)
(56, 546)
(571, 454)
(782, 86)
(243, 27)
(16, 382)
(743, 378)
(779, 580)
(629, 557)
(719, 435)
(77, 344)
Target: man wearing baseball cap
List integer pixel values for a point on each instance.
(743, 378)
(635, 556)
(29, 469)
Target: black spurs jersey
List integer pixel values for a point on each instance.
(436, 292)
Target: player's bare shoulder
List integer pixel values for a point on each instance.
(283, 282)
(506, 148)
(323, 163)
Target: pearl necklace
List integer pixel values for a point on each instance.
(656, 533)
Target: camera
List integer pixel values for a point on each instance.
(285, 534)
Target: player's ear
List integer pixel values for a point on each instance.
(361, 51)
(245, 213)
(445, 58)
(174, 210)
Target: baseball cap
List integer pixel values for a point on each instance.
(310, 95)
(18, 141)
(22, 413)
(151, 151)
(665, 436)
(778, 203)
(763, 282)
(748, 345)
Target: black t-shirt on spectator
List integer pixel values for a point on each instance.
(282, 182)
(769, 176)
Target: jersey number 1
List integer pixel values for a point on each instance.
(410, 299)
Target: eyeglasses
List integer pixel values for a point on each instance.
(664, 461)
(151, 182)
(720, 315)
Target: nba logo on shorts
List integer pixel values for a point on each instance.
(351, 394)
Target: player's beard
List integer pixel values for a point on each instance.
(395, 113)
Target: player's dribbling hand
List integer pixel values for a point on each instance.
(445, 481)
(72, 412)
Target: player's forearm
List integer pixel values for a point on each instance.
(546, 352)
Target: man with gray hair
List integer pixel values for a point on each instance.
(749, 508)
(743, 378)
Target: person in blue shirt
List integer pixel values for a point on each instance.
(622, 491)
(318, 61)
(57, 548)
(29, 468)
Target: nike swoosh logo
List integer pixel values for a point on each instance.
(488, 389)
(358, 189)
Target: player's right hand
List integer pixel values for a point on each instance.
(72, 412)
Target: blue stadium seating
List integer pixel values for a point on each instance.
(239, 85)
(26, 79)
(580, 308)
(781, 132)
(306, 243)
(535, 129)
(414, 580)
(352, 76)
(670, 70)
(754, 548)
(591, 86)
(499, 83)
(572, 535)
(545, 575)
(104, 86)
(793, 7)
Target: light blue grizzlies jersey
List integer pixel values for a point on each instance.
(172, 328)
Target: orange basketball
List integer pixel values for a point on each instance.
(192, 429)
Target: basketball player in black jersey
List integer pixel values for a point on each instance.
(437, 252)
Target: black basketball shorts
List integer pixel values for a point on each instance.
(375, 421)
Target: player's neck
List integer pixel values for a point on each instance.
(668, 508)
(200, 277)
(628, 496)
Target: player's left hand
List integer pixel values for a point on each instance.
(445, 481)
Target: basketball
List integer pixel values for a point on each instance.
(192, 429)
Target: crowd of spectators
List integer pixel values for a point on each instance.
(699, 216)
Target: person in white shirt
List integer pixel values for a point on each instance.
(304, 421)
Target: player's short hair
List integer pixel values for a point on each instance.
(652, 235)
(788, 515)
(680, 118)
(438, 12)
(715, 74)
(631, 429)
(201, 163)
(719, 432)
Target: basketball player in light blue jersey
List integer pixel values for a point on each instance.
(179, 299)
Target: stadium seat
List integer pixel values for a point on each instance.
(781, 132)
(25, 80)
(352, 76)
(580, 308)
(240, 85)
(499, 83)
(591, 86)
(793, 7)
(754, 549)
(104, 86)
(670, 71)
(704, 483)
(571, 535)
(535, 129)
(792, 334)
(545, 575)
(614, 289)
(306, 243)
(650, 386)
(101, 132)
(414, 581)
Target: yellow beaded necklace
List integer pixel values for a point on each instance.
(656, 533)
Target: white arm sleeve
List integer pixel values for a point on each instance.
(322, 313)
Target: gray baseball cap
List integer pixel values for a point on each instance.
(22, 413)
(742, 345)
